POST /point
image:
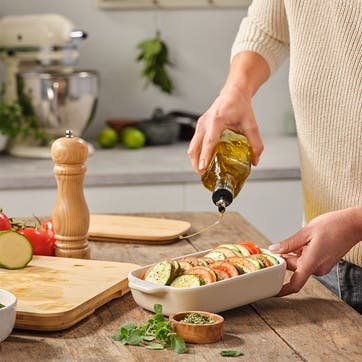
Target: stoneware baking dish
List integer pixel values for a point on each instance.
(215, 297)
(7, 313)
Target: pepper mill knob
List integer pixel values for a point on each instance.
(70, 214)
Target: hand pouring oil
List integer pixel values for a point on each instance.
(227, 172)
(229, 168)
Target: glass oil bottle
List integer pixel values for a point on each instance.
(229, 168)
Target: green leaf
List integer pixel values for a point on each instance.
(134, 338)
(231, 353)
(157, 308)
(155, 346)
(178, 344)
(156, 330)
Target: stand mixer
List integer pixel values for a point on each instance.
(39, 53)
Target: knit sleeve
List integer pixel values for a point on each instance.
(265, 31)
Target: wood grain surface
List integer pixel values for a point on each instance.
(135, 229)
(56, 293)
(313, 325)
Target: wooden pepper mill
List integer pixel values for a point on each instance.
(70, 213)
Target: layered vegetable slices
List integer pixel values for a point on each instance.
(223, 262)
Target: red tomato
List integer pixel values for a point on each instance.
(4, 222)
(203, 272)
(48, 226)
(253, 248)
(41, 241)
(225, 267)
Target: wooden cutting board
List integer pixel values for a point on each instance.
(135, 229)
(56, 293)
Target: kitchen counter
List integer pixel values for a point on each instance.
(148, 165)
(312, 325)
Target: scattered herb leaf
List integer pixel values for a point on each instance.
(2, 305)
(155, 346)
(156, 333)
(231, 353)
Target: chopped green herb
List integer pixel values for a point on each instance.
(231, 353)
(2, 305)
(197, 318)
(156, 333)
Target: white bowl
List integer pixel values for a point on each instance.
(7, 314)
(215, 297)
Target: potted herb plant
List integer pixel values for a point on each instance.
(17, 120)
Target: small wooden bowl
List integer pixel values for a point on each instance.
(198, 333)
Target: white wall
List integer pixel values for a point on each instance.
(199, 43)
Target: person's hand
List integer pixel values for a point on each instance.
(318, 246)
(232, 110)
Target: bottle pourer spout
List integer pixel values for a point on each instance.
(221, 205)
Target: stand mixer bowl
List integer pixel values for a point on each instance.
(60, 100)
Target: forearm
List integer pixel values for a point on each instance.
(355, 215)
(248, 71)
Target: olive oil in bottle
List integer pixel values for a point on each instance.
(229, 168)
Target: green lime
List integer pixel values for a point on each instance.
(132, 137)
(107, 137)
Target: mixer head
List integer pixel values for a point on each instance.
(44, 39)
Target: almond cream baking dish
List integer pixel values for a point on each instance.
(215, 297)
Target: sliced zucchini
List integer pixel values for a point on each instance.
(216, 255)
(233, 248)
(271, 258)
(177, 270)
(243, 250)
(186, 281)
(16, 250)
(227, 251)
(202, 262)
(257, 262)
(160, 273)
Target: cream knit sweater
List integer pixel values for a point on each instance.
(324, 42)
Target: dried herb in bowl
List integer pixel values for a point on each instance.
(197, 318)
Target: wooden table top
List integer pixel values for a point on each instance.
(313, 325)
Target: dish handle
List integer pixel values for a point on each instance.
(145, 289)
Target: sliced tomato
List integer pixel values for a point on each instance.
(206, 274)
(252, 247)
(225, 267)
(221, 274)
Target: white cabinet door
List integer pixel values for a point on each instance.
(273, 207)
(146, 198)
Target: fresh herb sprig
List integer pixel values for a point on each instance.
(18, 119)
(2, 305)
(231, 353)
(155, 56)
(156, 333)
